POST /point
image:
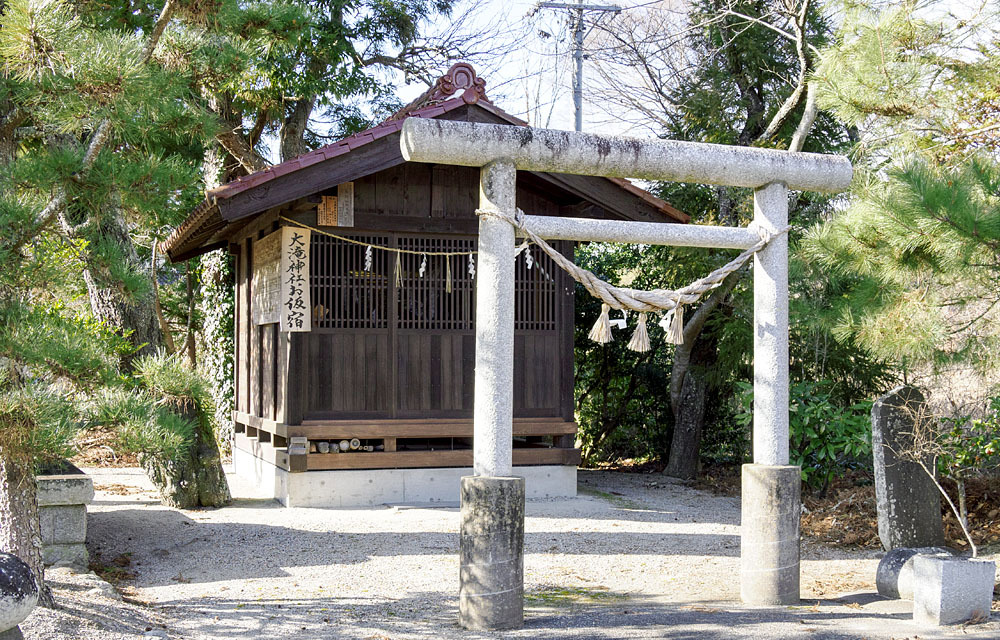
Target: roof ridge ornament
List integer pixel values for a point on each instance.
(461, 79)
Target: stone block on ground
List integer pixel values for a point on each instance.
(894, 577)
(18, 592)
(65, 490)
(66, 555)
(63, 524)
(62, 514)
(908, 502)
(951, 590)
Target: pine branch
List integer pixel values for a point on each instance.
(101, 135)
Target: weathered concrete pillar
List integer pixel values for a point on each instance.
(770, 337)
(769, 545)
(493, 414)
(491, 594)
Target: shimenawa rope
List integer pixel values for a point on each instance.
(671, 301)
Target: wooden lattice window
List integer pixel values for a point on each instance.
(424, 302)
(344, 294)
(347, 296)
(535, 291)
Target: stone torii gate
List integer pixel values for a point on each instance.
(491, 592)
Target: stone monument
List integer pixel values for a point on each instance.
(909, 504)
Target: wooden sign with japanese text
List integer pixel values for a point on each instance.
(338, 210)
(345, 204)
(326, 212)
(295, 305)
(266, 294)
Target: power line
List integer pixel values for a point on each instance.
(578, 10)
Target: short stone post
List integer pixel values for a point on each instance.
(62, 515)
(950, 590)
(491, 595)
(769, 543)
(908, 502)
(491, 583)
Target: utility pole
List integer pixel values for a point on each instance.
(579, 32)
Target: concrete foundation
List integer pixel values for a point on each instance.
(372, 487)
(491, 578)
(951, 590)
(769, 546)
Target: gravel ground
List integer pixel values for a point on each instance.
(631, 557)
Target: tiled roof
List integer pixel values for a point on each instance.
(431, 104)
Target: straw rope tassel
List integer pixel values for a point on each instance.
(640, 339)
(602, 328)
(673, 325)
(447, 274)
(399, 272)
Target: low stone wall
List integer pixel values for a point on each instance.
(62, 509)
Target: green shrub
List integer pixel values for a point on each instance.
(160, 414)
(970, 446)
(824, 436)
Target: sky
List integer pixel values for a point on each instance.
(534, 79)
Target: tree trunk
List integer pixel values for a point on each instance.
(197, 479)
(293, 129)
(687, 400)
(689, 418)
(20, 532)
(131, 317)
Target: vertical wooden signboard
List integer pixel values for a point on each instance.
(345, 204)
(266, 294)
(281, 280)
(326, 212)
(295, 298)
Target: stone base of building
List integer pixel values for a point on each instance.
(372, 487)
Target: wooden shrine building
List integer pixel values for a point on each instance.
(355, 312)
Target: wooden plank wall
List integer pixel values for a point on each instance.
(258, 377)
(391, 371)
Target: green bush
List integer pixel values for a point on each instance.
(824, 437)
(160, 413)
(970, 446)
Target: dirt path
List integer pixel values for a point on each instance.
(633, 557)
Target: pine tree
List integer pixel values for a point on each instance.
(919, 237)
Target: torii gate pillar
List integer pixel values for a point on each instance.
(491, 543)
(769, 543)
